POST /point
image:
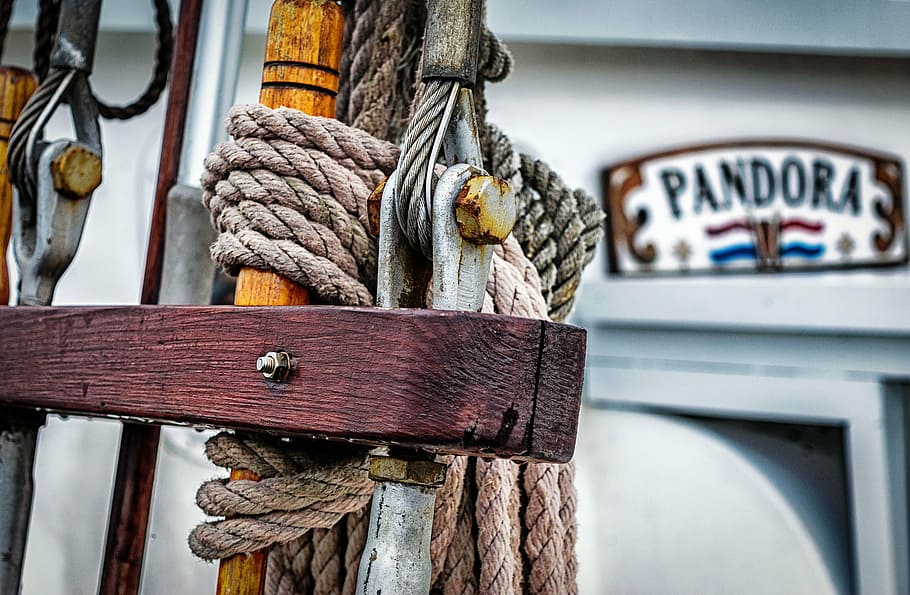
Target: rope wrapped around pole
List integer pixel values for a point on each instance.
(288, 195)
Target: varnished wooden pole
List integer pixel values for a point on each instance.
(131, 501)
(300, 71)
(16, 86)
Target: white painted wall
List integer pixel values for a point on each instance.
(579, 107)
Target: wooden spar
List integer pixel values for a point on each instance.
(131, 501)
(16, 86)
(451, 382)
(300, 71)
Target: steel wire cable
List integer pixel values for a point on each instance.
(412, 201)
(22, 172)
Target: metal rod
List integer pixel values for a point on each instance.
(452, 40)
(18, 437)
(188, 271)
(214, 84)
(77, 31)
(126, 531)
(397, 559)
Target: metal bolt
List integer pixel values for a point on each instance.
(274, 365)
(76, 172)
(485, 210)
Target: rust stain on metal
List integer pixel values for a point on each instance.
(76, 172)
(485, 210)
(414, 472)
(374, 207)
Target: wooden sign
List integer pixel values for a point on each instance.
(755, 206)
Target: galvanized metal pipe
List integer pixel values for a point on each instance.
(18, 438)
(215, 75)
(77, 31)
(188, 271)
(452, 41)
(397, 555)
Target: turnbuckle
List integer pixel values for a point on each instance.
(55, 186)
(471, 211)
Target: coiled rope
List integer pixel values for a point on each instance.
(286, 195)
(45, 33)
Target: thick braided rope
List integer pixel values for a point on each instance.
(543, 541)
(508, 299)
(445, 515)
(285, 197)
(559, 228)
(327, 559)
(457, 576)
(382, 38)
(286, 493)
(300, 489)
(559, 233)
(567, 508)
(497, 480)
(357, 524)
(288, 570)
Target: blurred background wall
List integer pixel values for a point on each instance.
(677, 495)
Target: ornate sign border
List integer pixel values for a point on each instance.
(621, 178)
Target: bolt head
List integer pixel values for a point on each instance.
(76, 171)
(274, 365)
(486, 210)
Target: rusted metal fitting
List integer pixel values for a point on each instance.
(274, 365)
(374, 208)
(76, 172)
(411, 472)
(485, 210)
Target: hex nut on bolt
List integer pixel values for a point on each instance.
(274, 365)
(76, 172)
(485, 210)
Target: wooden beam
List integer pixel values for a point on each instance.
(453, 382)
(131, 498)
(300, 70)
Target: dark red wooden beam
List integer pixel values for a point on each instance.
(131, 499)
(447, 381)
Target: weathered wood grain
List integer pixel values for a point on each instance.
(446, 381)
(562, 364)
(131, 497)
(300, 70)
